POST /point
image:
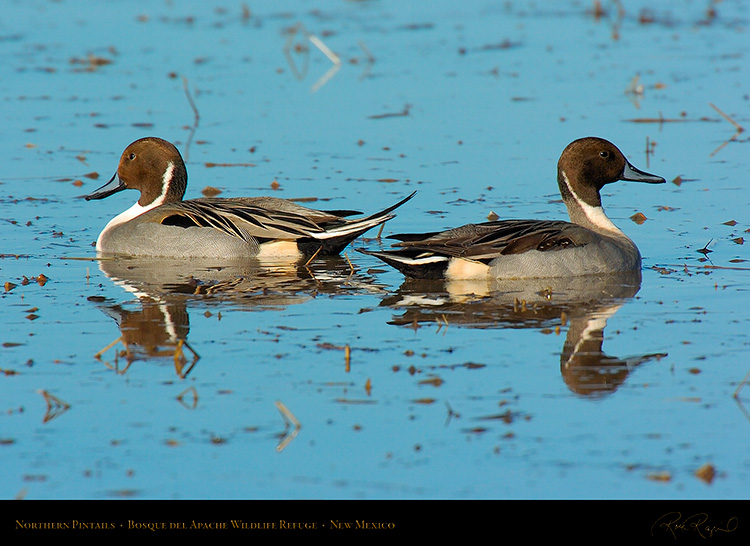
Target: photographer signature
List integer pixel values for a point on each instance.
(674, 523)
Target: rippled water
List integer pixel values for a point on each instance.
(339, 380)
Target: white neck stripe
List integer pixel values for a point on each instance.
(594, 214)
(166, 181)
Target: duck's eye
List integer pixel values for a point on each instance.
(604, 154)
(131, 157)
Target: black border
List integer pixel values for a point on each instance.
(663, 521)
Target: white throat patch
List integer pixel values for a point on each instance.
(594, 214)
(136, 210)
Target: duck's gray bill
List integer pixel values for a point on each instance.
(113, 186)
(636, 175)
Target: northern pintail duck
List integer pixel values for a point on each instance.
(162, 224)
(515, 249)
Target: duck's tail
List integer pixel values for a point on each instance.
(334, 239)
(424, 266)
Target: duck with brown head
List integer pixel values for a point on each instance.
(515, 249)
(160, 223)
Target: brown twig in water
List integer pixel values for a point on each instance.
(351, 265)
(661, 119)
(745, 381)
(370, 60)
(289, 418)
(55, 406)
(598, 10)
(210, 164)
(288, 415)
(739, 127)
(99, 354)
(313, 256)
(335, 60)
(403, 113)
(705, 250)
(736, 395)
(302, 48)
(182, 398)
(196, 116)
(685, 267)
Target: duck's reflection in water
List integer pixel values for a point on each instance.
(149, 329)
(155, 324)
(582, 304)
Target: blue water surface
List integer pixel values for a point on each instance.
(469, 103)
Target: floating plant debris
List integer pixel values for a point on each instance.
(639, 218)
(210, 191)
(706, 472)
